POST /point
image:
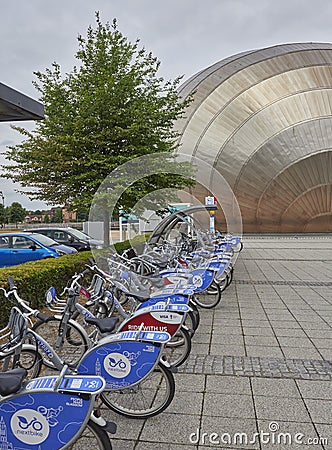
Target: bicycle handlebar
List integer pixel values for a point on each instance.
(74, 280)
(21, 301)
(85, 272)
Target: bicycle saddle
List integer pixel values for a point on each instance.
(140, 297)
(11, 381)
(105, 325)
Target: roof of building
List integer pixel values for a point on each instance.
(263, 120)
(15, 106)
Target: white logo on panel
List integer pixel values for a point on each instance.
(197, 280)
(117, 365)
(167, 317)
(29, 426)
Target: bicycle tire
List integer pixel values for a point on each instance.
(127, 402)
(238, 248)
(29, 358)
(223, 282)
(69, 353)
(194, 314)
(230, 275)
(209, 298)
(93, 437)
(177, 350)
(191, 322)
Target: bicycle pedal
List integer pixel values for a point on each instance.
(110, 427)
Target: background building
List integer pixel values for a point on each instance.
(263, 119)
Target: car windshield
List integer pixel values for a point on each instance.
(79, 234)
(48, 242)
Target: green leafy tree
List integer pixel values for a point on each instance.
(16, 213)
(110, 108)
(46, 218)
(7, 209)
(82, 214)
(57, 216)
(2, 215)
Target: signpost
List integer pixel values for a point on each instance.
(211, 201)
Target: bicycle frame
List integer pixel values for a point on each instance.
(46, 348)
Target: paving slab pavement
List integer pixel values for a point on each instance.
(260, 370)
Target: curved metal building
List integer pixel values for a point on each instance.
(263, 119)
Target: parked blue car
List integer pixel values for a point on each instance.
(18, 248)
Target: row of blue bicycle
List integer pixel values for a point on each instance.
(116, 335)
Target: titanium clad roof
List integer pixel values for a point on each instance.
(263, 119)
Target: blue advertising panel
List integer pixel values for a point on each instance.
(219, 266)
(201, 278)
(170, 299)
(41, 421)
(125, 362)
(74, 383)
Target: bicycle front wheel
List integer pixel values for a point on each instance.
(177, 350)
(73, 345)
(93, 437)
(192, 318)
(223, 282)
(210, 297)
(146, 399)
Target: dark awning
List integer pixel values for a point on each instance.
(16, 106)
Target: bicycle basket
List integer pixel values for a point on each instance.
(53, 303)
(97, 286)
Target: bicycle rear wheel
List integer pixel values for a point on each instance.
(192, 318)
(93, 437)
(146, 399)
(230, 275)
(74, 343)
(29, 358)
(210, 297)
(223, 281)
(177, 350)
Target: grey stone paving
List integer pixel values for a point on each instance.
(259, 374)
(285, 283)
(258, 367)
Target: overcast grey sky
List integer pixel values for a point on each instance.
(185, 35)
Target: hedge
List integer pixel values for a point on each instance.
(138, 242)
(34, 278)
